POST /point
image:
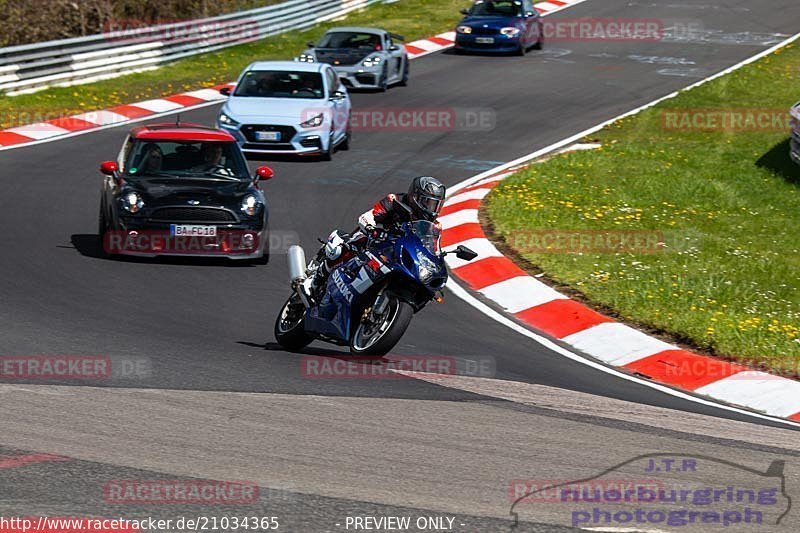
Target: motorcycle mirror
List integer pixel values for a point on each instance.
(465, 254)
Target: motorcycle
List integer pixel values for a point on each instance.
(371, 296)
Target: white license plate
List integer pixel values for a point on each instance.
(484, 40)
(188, 230)
(272, 136)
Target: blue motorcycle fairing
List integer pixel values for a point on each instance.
(351, 280)
(411, 247)
(345, 284)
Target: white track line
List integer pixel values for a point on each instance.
(462, 293)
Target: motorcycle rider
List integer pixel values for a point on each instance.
(423, 201)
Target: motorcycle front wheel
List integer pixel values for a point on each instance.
(290, 326)
(377, 333)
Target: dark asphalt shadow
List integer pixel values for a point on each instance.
(464, 53)
(778, 161)
(321, 352)
(90, 245)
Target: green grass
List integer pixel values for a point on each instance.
(727, 203)
(413, 19)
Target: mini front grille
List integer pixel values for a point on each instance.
(192, 214)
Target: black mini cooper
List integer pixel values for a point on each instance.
(183, 189)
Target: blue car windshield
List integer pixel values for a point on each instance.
(281, 84)
(429, 233)
(497, 8)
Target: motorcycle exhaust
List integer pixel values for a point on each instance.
(297, 263)
(297, 273)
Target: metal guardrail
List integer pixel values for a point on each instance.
(28, 68)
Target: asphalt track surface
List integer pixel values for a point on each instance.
(218, 399)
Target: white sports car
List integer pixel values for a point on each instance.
(364, 58)
(283, 107)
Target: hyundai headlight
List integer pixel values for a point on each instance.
(306, 58)
(372, 61)
(132, 202)
(313, 122)
(427, 268)
(250, 204)
(464, 29)
(510, 31)
(225, 120)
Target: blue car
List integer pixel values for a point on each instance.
(510, 26)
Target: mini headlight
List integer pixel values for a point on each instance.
(132, 202)
(313, 122)
(250, 204)
(226, 120)
(464, 29)
(510, 31)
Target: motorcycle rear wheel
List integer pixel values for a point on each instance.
(290, 328)
(379, 336)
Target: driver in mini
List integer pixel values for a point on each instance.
(211, 154)
(425, 197)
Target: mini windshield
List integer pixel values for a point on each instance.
(281, 84)
(349, 39)
(497, 8)
(429, 233)
(187, 159)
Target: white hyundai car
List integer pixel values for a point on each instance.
(283, 107)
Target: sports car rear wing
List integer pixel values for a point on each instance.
(396, 37)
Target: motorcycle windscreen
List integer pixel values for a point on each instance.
(429, 233)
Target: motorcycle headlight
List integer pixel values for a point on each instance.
(250, 204)
(132, 202)
(225, 120)
(427, 268)
(510, 31)
(464, 29)
(306, 58)
(372, 61)
(313, 122)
